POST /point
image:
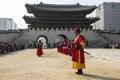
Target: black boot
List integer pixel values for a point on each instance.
(79, 71)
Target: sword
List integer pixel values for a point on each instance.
(86, 52)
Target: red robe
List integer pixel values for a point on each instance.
(39, 49)
(69, 48)
(78, 47)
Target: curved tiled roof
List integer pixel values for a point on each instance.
(53, 7)
(29, 19)
(50, 14)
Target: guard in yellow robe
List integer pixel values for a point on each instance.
(78, 52)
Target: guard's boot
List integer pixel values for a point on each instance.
(79, 71)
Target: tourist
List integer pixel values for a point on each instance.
(39, 48)
(78, 52)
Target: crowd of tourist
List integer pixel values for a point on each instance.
(112, 45)
(6, 47)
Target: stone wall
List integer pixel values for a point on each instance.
(7, 37)
(27, 37)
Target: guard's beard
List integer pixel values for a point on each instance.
(76, 35)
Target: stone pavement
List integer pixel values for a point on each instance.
(109, 54)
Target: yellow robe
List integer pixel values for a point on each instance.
(78, 65)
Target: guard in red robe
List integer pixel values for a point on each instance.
(39, 48)
(78, 52)
(69, 48)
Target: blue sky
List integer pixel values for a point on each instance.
(15, 8)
